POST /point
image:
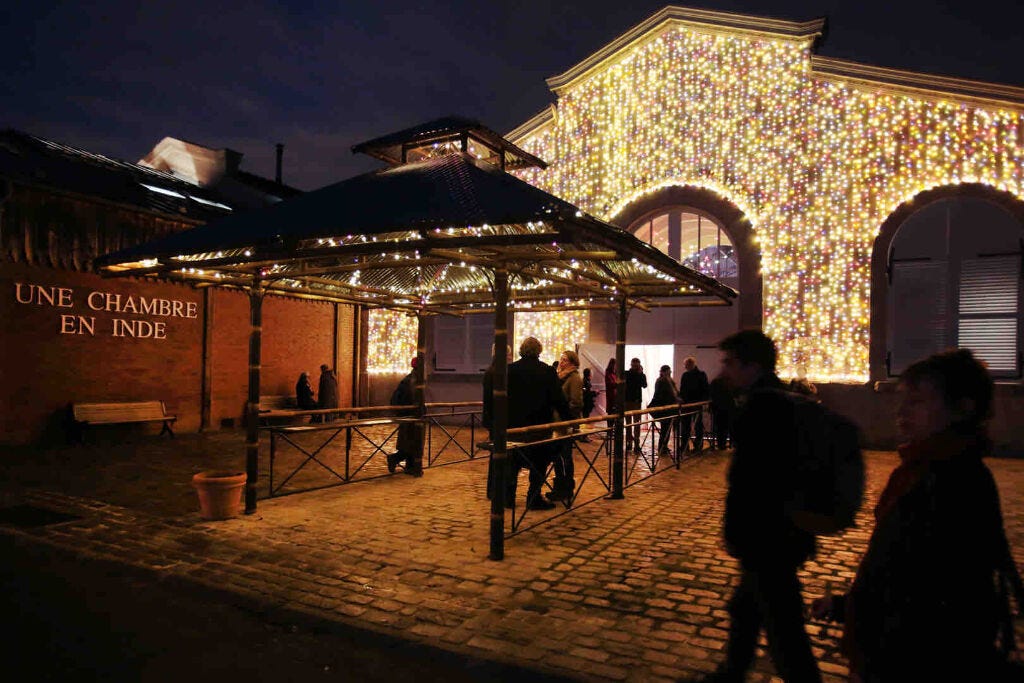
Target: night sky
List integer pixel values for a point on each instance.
(116, 77)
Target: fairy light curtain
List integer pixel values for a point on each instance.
(816, 165)
(392, 336)
(391, 342)
(556, 331)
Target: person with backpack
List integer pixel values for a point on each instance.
(408, 452)
(930, 598)
(757, 529)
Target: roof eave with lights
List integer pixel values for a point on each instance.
(564, 264)
(426, 235)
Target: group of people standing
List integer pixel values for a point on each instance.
(326, 397)
(539, 394)
(931, 599)
(693, 387)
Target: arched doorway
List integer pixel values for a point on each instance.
(709, 206)
(708, 233)
(946, 272)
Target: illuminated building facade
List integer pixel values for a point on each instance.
(869, 216)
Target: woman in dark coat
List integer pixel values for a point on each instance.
(611, 390)
(304, 393)
(588, 393)
(929, 601)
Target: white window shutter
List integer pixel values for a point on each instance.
(989, 304)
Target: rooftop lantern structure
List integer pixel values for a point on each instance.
(445, 136)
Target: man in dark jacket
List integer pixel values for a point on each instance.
(328, 391)
(693, 387)
(533, 394)
(723, 406)
(636, 382)
(757, 530)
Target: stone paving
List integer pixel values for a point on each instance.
(626, 590)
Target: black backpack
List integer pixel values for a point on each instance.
(829, 473)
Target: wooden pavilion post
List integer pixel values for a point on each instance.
(421, 394)
(618, 461)
(252, 406)
(499, 424)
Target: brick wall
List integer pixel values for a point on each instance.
(297, 336)
(43, 370)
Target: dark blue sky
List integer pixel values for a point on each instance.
(116, 77)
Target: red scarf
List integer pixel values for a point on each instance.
(915, 459)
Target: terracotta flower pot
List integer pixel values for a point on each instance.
(220, 493)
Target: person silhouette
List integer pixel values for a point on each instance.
(929, 601)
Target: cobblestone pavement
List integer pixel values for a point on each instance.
(615, 590)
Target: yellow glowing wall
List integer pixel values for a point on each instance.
(391, 343)
(816, 167)
(556, 331)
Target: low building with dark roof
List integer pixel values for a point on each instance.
(71, 336)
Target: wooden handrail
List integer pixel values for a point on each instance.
(603, 418)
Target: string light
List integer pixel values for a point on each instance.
(556, 330)
(391, 341)
(815, 165)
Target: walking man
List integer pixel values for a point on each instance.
(757, 530)
(408, 451)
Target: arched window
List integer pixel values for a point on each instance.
(954, 272)
(694, 239)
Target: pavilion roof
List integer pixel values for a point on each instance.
(426, 236)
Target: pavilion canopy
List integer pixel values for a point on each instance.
(425, 236)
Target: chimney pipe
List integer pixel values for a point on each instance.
(280, 155)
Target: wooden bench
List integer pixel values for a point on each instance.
(124, 412)
(268, 403)
(278, 409)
